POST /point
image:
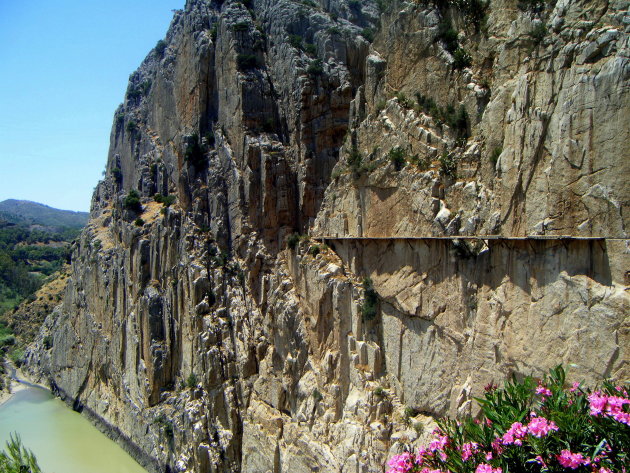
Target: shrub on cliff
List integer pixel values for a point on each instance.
(191, 381)
(160, 47)
(194, 153)
(398, 157)
(370, 301)
(294, 240)
(532, 427)
(355, 158)
(132, 201)
(295, 40)
(246, 62)
(166, 200)
(461, 59)
(316, 68)
(448, 165)
(117, 175)
(17, 459)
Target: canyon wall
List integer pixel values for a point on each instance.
(310, 155)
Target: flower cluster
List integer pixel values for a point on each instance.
(572, 460)
(485, 468)
(401, 463)
(541, 425)
(612, 406)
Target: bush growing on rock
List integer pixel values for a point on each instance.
(117, 174)
(17, 356)
(538, 33)
(355, 158)
(160, 47)
(368, 309)
(293, 240)
(7, 338)
(240, 26)
(132, 201)
(354, 5)
(131, 127)
(532, 5)
(383, 5)
(166, 200)
(194, 153)
(295, 40)
(398, 157)
(461, 59)
(448, 165)
(246, 62)
(315, 68)
(448, 35)
(368, 34)
(532, 426)
(191, 381)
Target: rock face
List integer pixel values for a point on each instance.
(191, 330)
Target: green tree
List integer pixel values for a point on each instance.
(17, 459)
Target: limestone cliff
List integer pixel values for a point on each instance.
(389, 132)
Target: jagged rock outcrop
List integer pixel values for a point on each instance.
(191, 330)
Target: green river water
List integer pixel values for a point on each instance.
(63, 441)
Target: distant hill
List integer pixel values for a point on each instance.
(35, 242)
(24, 211)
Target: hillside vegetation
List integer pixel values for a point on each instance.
(35, 243)
(41, 214)
(27, 257)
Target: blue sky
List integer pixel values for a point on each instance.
(64, 67)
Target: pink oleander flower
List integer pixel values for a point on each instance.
(612, 406)
(597, 402)
(540, 461)
(421, 455)
(496, 446)
(614, 409)
(514, 434)
(604, 470)
(438, 444)
(489, 456)
(571, 460)
(469, 449)
(427, 470)
(485, 468)
(539, 427)
(575, 387)
(543, 391)
(490, 387)
(402, 463)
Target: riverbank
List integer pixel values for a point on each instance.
(25, 379)
(61, 439)
(18, 382)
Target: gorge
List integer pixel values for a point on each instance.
(316, 214)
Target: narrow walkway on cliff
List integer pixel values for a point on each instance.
(468, 237)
